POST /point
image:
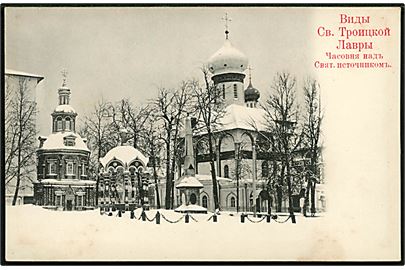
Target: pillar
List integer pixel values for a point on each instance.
(254, 174)
(218, 154)
(126, 186)
(237, 176)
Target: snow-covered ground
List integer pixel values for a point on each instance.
(34, 233)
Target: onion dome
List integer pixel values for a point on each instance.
(227, 59)
(251, 93)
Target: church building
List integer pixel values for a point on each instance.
(243, 167)
(62, 162)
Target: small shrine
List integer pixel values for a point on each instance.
(189, 186)
(123, 181)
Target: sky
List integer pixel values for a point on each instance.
(113, 53)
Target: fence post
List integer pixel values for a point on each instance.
(132, 214)
(214, 218)
(268, 217)
(119, 213)
(242, 218)
(187, 218)
(143, 215)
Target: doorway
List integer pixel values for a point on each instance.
(69, 205)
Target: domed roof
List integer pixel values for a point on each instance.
(251, 93)
(227, 59)
(65, 108)
(58, 141)
(124, 153)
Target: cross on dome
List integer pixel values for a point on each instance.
(226, 19)
(64, 73)
(250, 74)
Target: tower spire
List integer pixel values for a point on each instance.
(227, 20)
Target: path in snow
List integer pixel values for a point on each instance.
(34, 233)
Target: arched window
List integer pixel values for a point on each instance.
(223, 91)
(69, 168)
(235, 91)
(205, 201)
(58, 123)
(233, 202)
(265, 169)
(193, 198)
(68, 123)
(226, 171)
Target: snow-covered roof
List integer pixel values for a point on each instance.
(68, 182)
(124, 153)
(189, 181)
(243, 117)
(65, 108)
(24, 74)
(56, 141)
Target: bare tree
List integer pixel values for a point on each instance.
(171, 106)
(99, 129)
(20, 133)
(282, 115)
(209, 111)
(312, 132)
(126, 115)
(153, 145)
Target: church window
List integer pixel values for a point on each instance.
(68, 124)
(83, 168)
(235, 91)
(265, 169)
(58, 123)
(233, 202)
(69, 140)
(205, 201)
(226, 171)
(69, 168)
(52, 167)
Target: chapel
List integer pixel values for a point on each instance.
(63, 181)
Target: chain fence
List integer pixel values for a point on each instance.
(168, 220)
(284, 221)
(255, 221)
(214, 216)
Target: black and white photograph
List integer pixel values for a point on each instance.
(210, 133)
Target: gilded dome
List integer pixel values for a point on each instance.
(227, 59)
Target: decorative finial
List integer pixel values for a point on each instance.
(250, 74)
(226, 19)
(64, 73)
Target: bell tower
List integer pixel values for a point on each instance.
(64, 116)
(227, 66)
